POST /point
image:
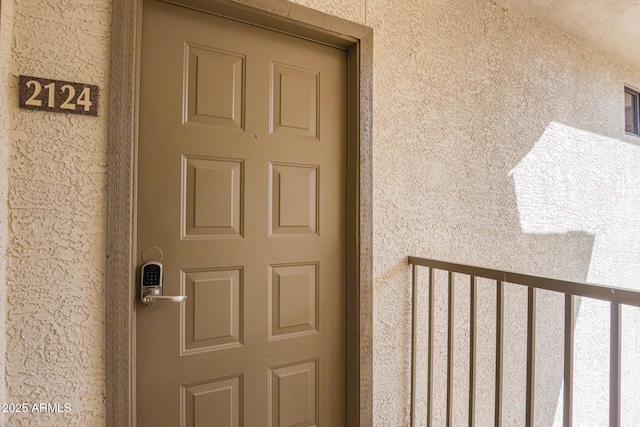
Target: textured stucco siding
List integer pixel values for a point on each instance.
(56, 211)
(354, 11)
(6, 27)
(498, 141)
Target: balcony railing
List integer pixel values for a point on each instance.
(615, 296)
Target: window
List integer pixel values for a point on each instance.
(631, 111)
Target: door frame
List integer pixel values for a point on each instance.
(120, 298)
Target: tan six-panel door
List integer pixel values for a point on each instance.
(242, 185)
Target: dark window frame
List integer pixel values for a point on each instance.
(636, 113)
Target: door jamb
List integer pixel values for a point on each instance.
(279, 15)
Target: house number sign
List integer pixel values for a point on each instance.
(58, 96)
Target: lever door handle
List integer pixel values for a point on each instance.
(152, 295)
(151, 278)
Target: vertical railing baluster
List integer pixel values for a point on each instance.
(414, 321)
(499, 349)
(614, 364)
(571, 290)
(450, 354)
(473, 305)
(430, 350)
(569, 327)
(531, 356)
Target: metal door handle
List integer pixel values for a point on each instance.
(150, 296)
(151, 285)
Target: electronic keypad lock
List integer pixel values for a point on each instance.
(151, 285)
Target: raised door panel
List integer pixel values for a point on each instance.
(295, 101)
(213, 313)
(212, 197)
(214, 87)
(293, 300)
(293, 204)
(293, 395)
(212, 404)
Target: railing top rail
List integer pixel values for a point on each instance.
(589, 290)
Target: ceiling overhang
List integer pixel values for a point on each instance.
(609, 26)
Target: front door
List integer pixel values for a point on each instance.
(241, 195)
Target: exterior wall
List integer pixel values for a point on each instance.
(56, 214)
(6, 27)
(498, 141)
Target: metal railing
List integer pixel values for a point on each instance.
(616, 297)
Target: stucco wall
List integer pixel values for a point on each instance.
(6, 27)
(57, 177)
(498, 141)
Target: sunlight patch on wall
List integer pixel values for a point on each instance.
(575, 180)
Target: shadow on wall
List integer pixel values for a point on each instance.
(577, 203)
(575, 181)
(489, 150)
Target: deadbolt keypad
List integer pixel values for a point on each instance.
(151, 275)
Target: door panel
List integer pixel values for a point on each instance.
(212, 197)
(213, 404)
(242, 184)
